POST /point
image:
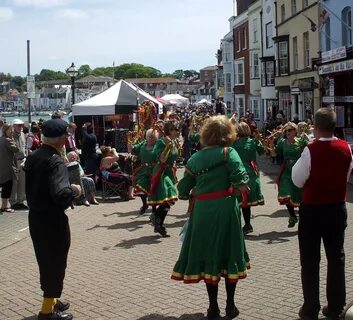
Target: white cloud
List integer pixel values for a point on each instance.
(73, 14)
(6, 14)
(40, 3)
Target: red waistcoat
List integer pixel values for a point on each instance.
(330, 162)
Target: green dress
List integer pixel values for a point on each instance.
(142, 175)
(166, 192)
(247, 148)
(288, 193)
(195, 142)
(214, 243)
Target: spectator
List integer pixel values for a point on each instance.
(8, 165)
(70, 142)
(88, 147)
(18, 194)
(33, 141)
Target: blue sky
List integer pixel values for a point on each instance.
(165, 34)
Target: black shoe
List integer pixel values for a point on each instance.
(303, 316)
(332, 315)
(162, 231)
(61, 305)
(213, 314)
(292, 222)
(19, 206)
(153, 218)
(143, 210)
(232, 312)
(56, 315)
(247, 229)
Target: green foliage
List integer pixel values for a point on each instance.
(47, 75)
(84, 71)
(178, 74)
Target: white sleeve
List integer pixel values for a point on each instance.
(350, 167)
(301, 169)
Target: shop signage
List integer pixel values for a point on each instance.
(31, 87)
(335, 54)
(336, 67)
(344, 99)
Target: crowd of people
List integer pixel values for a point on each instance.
(221, 181)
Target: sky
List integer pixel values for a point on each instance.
(164, 34)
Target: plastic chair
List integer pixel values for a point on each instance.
(112, 190)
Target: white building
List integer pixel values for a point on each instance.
(254, 103)
(269, 100)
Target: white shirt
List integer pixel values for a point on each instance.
(301, 169)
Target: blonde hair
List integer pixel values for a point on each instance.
(72, 156)
(151, 132)
(218, 130)
(105, 151)
(243, 130)
(290, 125)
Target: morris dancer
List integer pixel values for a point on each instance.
(214, 243)
(291, 147)
(163, 191)
(143, 174)
(247, 148)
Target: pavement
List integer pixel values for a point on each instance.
(119, 268)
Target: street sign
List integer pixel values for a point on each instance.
(31, 88)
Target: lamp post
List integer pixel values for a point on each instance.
(72, 72)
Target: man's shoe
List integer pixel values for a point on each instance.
(61, 305)
(247, 229)
(19, 206)
(56, 315)
(331, 315)
(232, 312)
(213, 314)
(303, 316)
(292, 221)
(162, 231)
(143, 210)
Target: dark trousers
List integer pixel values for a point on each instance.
(326, 222)
(51, 242)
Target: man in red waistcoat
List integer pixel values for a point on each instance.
(323, 171)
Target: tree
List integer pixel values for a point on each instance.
(47, 75)
(84, 71)
(19, 82)
(178, 74)
(190, 75)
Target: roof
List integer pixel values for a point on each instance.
(209, 68)
(152, 80)
(95, 79)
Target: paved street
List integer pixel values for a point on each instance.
(119, 269)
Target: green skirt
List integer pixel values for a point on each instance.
(255, 196)
(288, 193)
(142, 180)
(214, 244)
(166, 192)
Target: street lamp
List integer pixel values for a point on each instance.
(72, 72)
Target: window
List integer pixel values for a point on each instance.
(283, 12)
(284, 99)
(239, 103)
(305, 3)
(228, 82)
(294, 7)
(239, 43)
(283, 58)
(254, 28)
(245, 38)
(306, 49)
(269, 41)
(270, 73)
(328, 34)
(254, 65)
(346, 26)
(295, 53)
(267, 73)
(239, 73)
(255, 107)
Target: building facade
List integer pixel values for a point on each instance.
(336, 64)
(296, 49)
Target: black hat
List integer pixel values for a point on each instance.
(54, 128)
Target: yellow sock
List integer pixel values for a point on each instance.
(48, 305)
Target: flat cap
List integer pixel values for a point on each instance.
(54, 128)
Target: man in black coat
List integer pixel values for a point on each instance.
(49, 194)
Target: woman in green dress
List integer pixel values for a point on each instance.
(247, 149)
(291, 148)
(142, 175)
(163, 192)
(214, 245)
